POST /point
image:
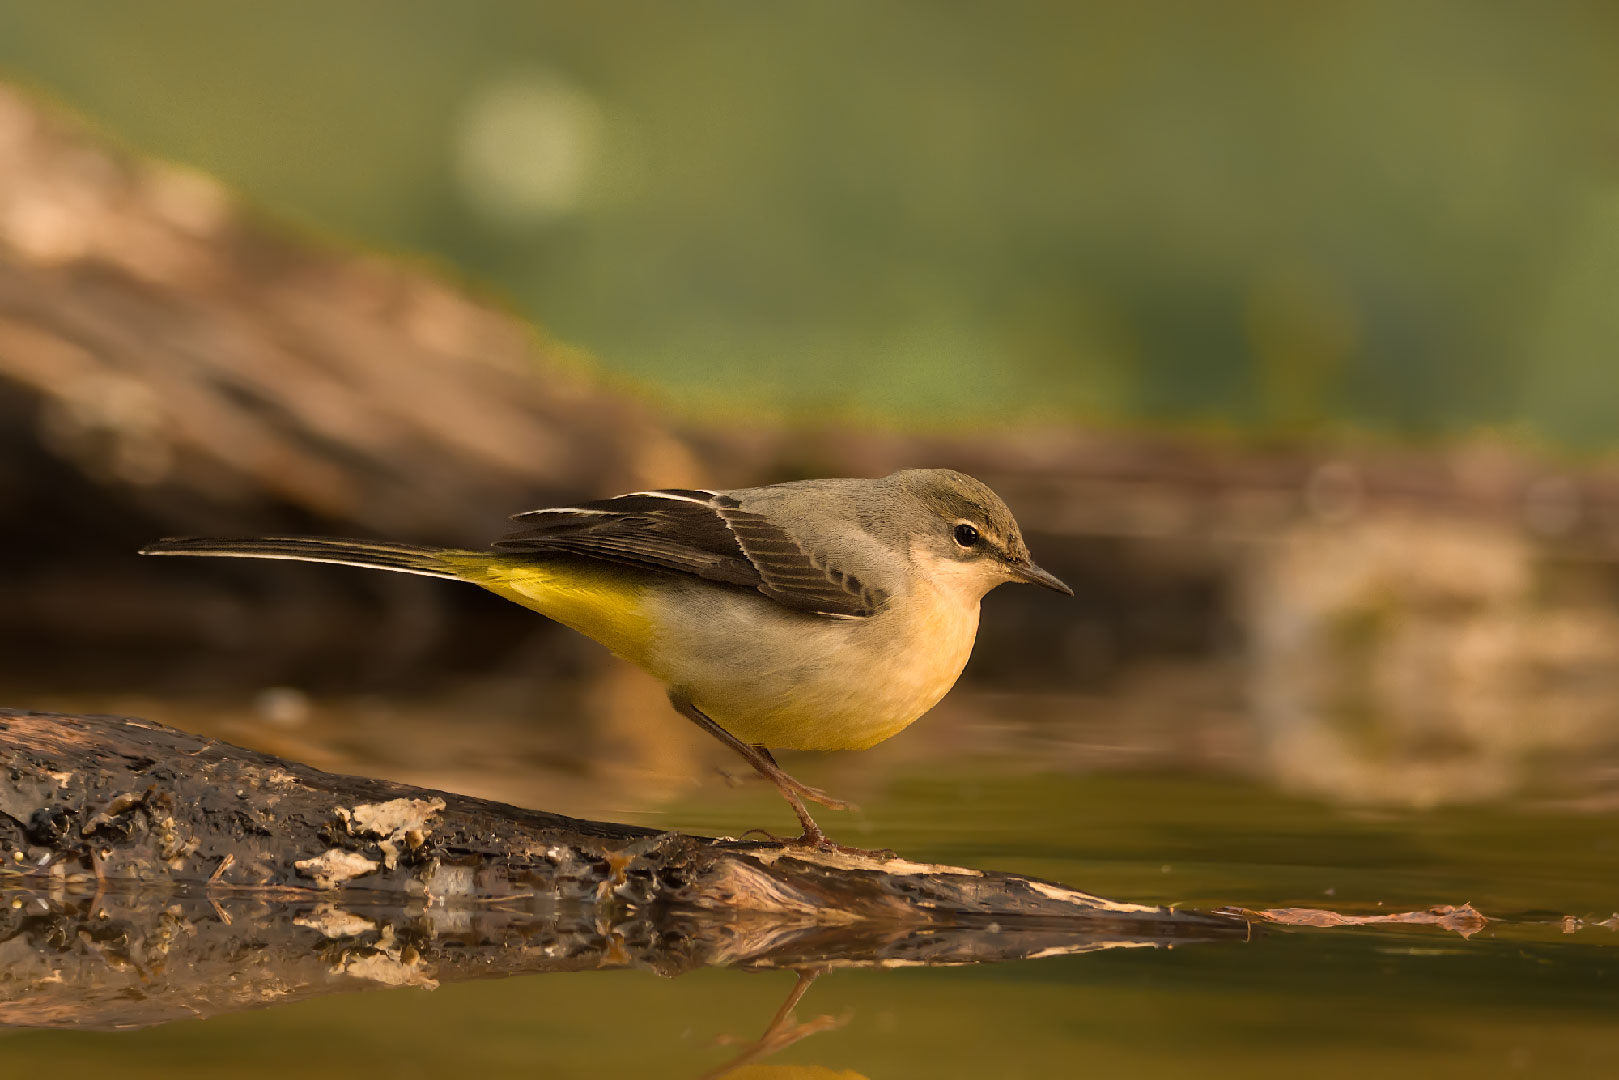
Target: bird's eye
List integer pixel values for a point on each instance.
(966, 535)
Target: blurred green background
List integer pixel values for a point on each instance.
(1280, 218)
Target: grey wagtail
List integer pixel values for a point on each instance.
(814, 615)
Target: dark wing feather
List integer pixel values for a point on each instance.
(793, 576)
(699, 533)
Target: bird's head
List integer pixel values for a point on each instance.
(963, 535)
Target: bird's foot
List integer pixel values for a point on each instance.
(881, 854)
(816, 840)
(822, 842)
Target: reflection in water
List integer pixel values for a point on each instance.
(126, 959)
(123, 959)
(783, 1031)
(117, 960)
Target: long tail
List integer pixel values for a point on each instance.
(405, 558)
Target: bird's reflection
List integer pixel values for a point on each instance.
(783, 1031)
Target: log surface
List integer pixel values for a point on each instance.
(118, 800)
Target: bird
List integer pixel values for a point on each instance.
(823, 614)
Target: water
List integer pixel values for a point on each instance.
(1532, 994)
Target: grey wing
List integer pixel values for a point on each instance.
(703, 533)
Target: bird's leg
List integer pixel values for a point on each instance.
(766, 766)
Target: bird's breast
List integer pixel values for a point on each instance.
(803, 682)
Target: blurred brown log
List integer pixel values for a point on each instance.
(165, 341)
(171, 364)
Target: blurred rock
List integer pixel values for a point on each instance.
(1418, 660)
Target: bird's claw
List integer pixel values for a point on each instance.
(825, 843)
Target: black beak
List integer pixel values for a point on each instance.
(1027, 571)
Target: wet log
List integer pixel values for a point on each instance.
(147, 874)
(112, 801)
